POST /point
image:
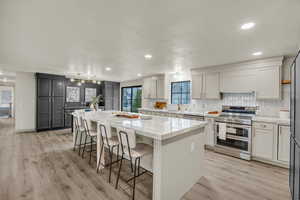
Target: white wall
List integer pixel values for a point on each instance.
(25, 98)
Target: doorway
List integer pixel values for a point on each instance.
(131, 98)
(6, 102)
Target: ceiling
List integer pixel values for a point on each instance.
(76, 36)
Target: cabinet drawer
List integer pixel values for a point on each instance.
(264, 126)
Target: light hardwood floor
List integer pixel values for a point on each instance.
(42, 166)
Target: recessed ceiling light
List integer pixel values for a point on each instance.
(72, 79)
(139, 74)
(98, 82)
(82, 81)
(107, 68)
(79, 84)
(94, 81)
(258, 53)
(148, 56)
(248, 25)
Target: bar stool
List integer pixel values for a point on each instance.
(110, 142)
(79, 129)
(92, 135)
(133, 150)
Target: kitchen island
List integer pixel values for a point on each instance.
(177, 162)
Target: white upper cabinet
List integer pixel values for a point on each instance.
(261, 76)
(211, 86)
(160, 88)
(268, 83)
(197, 84)
(238, 81)
(206, 85)
(153, 88)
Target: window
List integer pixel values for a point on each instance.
(131, 98)
(180, 92)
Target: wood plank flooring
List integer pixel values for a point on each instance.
(42, 166)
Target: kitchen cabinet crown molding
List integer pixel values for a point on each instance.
(245, 65)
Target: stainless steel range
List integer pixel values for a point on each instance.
(233, 131)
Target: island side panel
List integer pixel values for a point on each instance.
(178, 165)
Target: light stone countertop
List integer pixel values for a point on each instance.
(200, 114)
(158, 127)
(275, 120)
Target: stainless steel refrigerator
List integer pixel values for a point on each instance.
(294, 178)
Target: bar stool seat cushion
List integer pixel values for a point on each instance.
(93, 133)
(113, 141)
(141, 149)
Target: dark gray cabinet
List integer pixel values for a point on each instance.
(50, 101)
(112, 95)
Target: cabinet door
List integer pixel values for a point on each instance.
(197, 85)
(44, 87)
(211, 89)
(262, 143)
(68, 120)
(160, 88)
(57, 112)
(284, 143)
(238, 81)
(43, 113)
(58, 87)
(108, 96)
(153, 88)
(268, 83)
(209, 132)
(146, 88)
(116, 96)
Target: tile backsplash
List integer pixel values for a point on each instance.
(266, 107)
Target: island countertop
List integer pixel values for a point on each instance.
(157, 127)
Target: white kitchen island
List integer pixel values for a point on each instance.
(178, 150)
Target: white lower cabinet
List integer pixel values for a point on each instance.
(263, 140)
(271, 143)
(284, 143)
(209, 132)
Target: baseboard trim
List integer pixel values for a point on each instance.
(25, 130)
(271, 162)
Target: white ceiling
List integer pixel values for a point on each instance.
(86, 36)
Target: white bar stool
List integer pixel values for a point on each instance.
(135, 151)
(91, 134)
(79, 129)
(110, 142)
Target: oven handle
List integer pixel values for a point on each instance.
(235, 125)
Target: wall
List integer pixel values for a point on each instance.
(267, 107)
(25, 99)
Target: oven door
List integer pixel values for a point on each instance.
(238, 137)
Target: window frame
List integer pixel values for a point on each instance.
(131, 99)
(181, 92)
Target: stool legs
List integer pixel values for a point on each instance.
(136, 173)
(91, 151)
(101, 151)
(84, 146)
(79, 149)
(76, 134)
(119, 172)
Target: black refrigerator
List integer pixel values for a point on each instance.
(294, 174)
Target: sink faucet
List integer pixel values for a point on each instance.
(178, 107)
